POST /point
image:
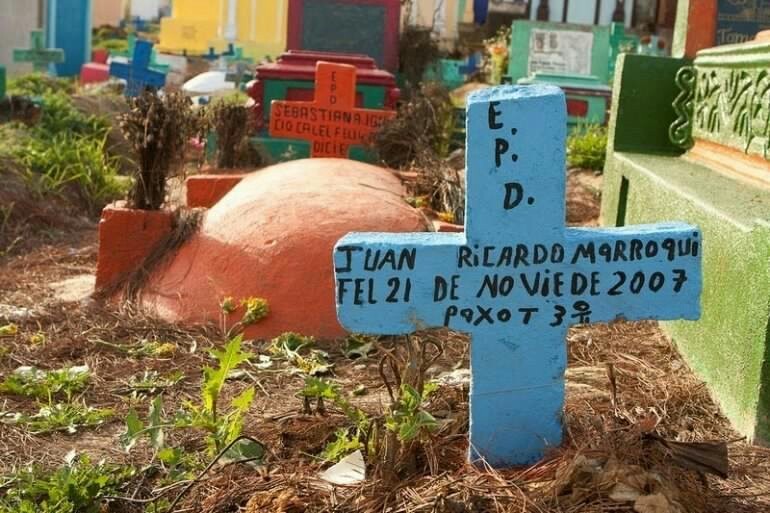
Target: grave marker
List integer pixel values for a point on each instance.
(331, 122)
(137, 72)
(369, 27)
(68, 26)
(517, 278)
(154, 64)
(40, 56)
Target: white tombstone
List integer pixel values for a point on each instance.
(145, 9)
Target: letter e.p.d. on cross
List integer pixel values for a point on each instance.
(517, 278)
(331, 122)
(138, 73)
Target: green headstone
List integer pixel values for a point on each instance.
(563, 48)
(722, 99)
(40, 56)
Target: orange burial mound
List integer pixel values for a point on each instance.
(272, 237)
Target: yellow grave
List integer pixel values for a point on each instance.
(258, 26)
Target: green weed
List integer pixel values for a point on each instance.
(297, 350)
(55, 165)
(151, 382)
(587, 147)
(38, 84)
(255, 308)
(221, 426)
(9, 330)
(66, 151)
(40, 384)
(66, 417)
(407, 419)
(77, 487)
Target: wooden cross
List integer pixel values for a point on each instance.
(331, 122)
(40, 56)
(517, 278)
(137, 72)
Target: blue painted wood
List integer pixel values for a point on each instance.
(137, 72)
(68, 27)
(471, 64)
(517, 278)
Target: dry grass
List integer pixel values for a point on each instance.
(609, 451)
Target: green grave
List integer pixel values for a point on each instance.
(689, 140)
(578, 58)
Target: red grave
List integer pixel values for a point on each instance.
(331, 122)
(272, 236)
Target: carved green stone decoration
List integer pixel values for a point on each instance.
(732, 97)
(680, 131)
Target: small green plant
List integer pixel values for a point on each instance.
(357, 346)
(65, 152)
(33, 382)
(70, 162)
(66, 417)
(38, 84)
(77, 487)
(222, 427)
(151, 382)
(228, 305)
(346, 440)
(9, 330)
(297, 350)
(587, 147)
(256, 309)
(408, 419)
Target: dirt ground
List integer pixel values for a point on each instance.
(629, 396)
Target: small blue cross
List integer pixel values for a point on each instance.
(137, 73)
(471, 64)
(517, 278)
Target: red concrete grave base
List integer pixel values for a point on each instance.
(272, 236)
(94, 73)
(126, 237)
(206, 189)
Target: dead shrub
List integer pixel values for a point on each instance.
(158, 128)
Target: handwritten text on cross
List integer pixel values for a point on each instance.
(331, 122)
(517, 278)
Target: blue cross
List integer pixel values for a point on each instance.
(137, 73)
(517, 278)
(471, 64)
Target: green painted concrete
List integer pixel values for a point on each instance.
(282, 150)
(519, 49)
(597, 103)
(646, 181)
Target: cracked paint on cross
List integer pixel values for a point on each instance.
(517, 278)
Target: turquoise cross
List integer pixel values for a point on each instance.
(40, 56)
